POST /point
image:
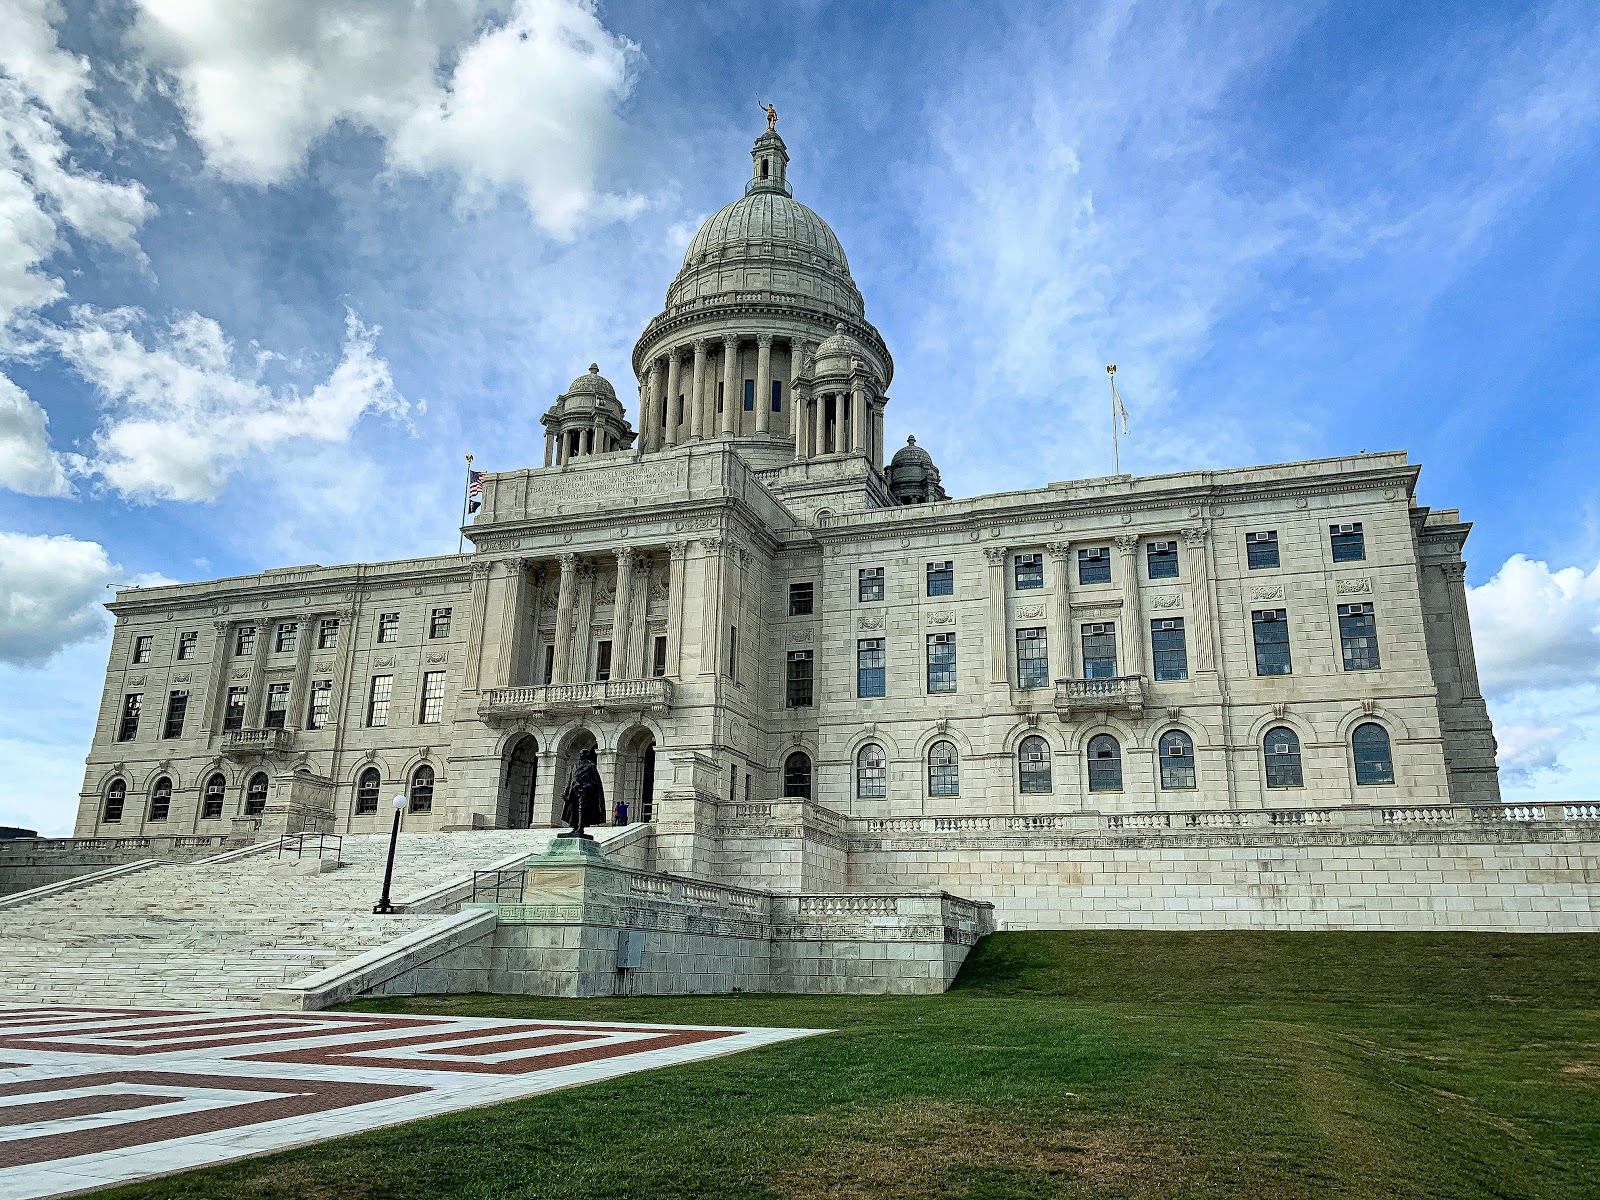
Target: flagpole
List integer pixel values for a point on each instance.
(466, 491)
(1116, 449)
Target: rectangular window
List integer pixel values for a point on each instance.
(602, 661)
(1349, 543)
(433, 697)
(777, 396)
(186, 645)
(1169, 649)
(941, 662)
(378, 700)
(658, 658)
(1358, 637)
(733, 783)
(388, 627)
(797, 685)
(288, 638)
(869, 584)
(1100, 651)
(1162, 558)
(799, 599)
(549, 664)
(439, 623)
(321, 699)
(1030, 571)
(245, 644)
(719, 395)
(1033, 659)
(733, 653)
(141, 649)
(277, 714)
(1261, 549)
(1094, 565)
(128, 728)
(871, 677)
(177, 709)
(749, 395)
(941, 579)
(1271, 628)
(233, 714)
(328, 633)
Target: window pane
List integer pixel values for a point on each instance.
(186, 645)
(141, 649)
(1033, 765)
(367, 791)
(288, 639)
(422, 789)
(1374, 760)
(255, 796)
(1282, 751)
(378, 704)
(797, 776)
(161, 799)
(233, 714)
(1029, 571)
(321, 697)
(439, 623)
(1033, 659)
(277, 706)
(177, 709)
(246, 641)
(1349, 543)
(941, 662)
(128, 727)
(1094, 565)
(1261, 549)
(1271, 628)
(870, 584)
(749, 395)
(1176, 751)
(433, 695)
(1169, 648)
(116, 797)
(328, 633)
(799, 599)
(871, 775)
(1105, 764)
(211, 807)
(1162, 558)
(944, 770)
(389, 627)
(941, 579)
(797, 689)
(1358, 637)
(870, 667)
(1100, 651)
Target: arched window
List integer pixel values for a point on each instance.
(944, 770)
(1033, 764)
(872, 781)
(367, 788)
(422, 789)
(116, 797)
(1374, 759)
(1177, 759)
(763, 168)
(161, 799)
(255, 795)
(1105, 764)
(797, 776)
(1282, 750)
(216, 788)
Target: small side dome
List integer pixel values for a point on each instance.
(593, 384)
(913, 479)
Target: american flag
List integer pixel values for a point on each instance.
(475, 490)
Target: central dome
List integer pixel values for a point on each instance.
(768, 222)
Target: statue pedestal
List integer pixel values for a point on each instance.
(567, 850)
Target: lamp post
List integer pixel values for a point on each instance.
(383, 905)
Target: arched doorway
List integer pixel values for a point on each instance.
(520, 783)
(636, 775)
(572, 745)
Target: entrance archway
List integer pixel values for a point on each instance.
(520, 783)
(636, 774)
(571, 746)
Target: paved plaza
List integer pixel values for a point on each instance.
(91, 1097)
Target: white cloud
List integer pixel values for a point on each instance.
(519, 97)
(1536, 629)
(181, 414)
(27, 464)
(51, 593)
(31, 54)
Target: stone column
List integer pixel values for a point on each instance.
(473, 670)
(511, 622)
(650, 410)
(566, 601)
(622, 616)
(858, 419)
(797, 364)
(799, 416)
(344, 656)
(711, 555)
(257, 699)
(1455, 587)
(295, 718)
(679, 554)
(819, 425)
(217, 677)
(764, 383)
(732, 399)
(1130, 651)
(549, 448)
(999, 654)
(674, 414)
(1066, 656)
(583, 622)
(697, 398)
(1205, 617)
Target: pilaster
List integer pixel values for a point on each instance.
(998, 657)
(764, 383)
(1131, 649)
(1066, 656)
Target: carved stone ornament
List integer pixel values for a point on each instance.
(370, 756)
(181, 677)
(801, 637)
(1127, 542)
(1166, 600)
(480, 570)
(1353, 586)
(943, 617)
(438, 656)
(1280, 710)
(1030, 611)
(1058, 550)
(240, 675)
(1196, 537)
(1269, 592)
(322, 668)
(1033, 720)
(872, 620)
(134, 680)
(386, 661)
(1173, 712)
(1368, 707)
(942, 724)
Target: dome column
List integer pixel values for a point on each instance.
(764, 383)
(800, 401)
(674, 415)
(697, 391)
(797, 364)
(648, 408)
(731, 404)
(549, 448)
(858, 418)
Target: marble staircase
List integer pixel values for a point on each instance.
(217, 934)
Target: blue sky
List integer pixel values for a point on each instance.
(269, 268)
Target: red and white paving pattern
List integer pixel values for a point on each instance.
(91, 1097)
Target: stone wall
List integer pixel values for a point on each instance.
(27, 863)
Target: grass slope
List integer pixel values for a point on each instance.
(1128, 1065)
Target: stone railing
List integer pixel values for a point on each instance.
(1124, 693)
(615, 695)
(246, 743)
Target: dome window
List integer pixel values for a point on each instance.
(763, 168)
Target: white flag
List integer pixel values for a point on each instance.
(1117, 408)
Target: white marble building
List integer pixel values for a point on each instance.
(789, 652)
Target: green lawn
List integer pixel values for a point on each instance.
(1062, 1064)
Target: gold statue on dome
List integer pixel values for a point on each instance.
(772, 117)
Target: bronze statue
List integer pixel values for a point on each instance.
(585, 800)
(772, 117)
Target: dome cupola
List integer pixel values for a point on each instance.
(913, 479)
(586, 419)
